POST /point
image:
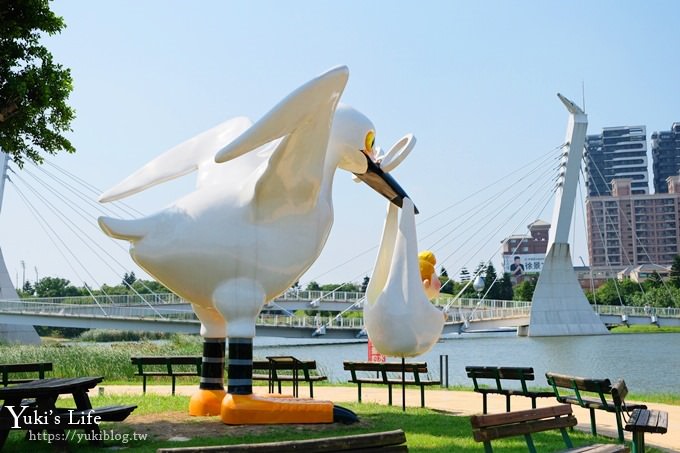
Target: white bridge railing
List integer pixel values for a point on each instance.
(172, 298)
(288, 296)
(464, 310)
(619, 310)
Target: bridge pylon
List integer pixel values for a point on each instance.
(559, 307)
(10, 333)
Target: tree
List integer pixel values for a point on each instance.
(609, 292)
(147, 287)
(525, 290)
(457, 287)
(313, 286)
(348, 287)
(444, 272)
(491, 286)
(129, 279)
(33, 89)
(364, 284)
(654, 281)
(464, 275)
(480, 269)
(505, 291)
(28, 288)
(447, 285)
(675, 272)
(55, 287)
(664, 296)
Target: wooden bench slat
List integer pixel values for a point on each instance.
(107, 413)
(518, 429)
(663, 422)
(496, 426)
(371, 441)
(163, 360)
(585, 384)
(167, 362)
(486, 372)
(484, 421)
(390, 367)
(289, 378)
(7, 369)
(589, 403)
(651, 421)
(599, 448)
(499, 375)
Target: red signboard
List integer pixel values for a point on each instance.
(373, 354)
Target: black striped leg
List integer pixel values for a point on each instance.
(212, 368)
(240, 372)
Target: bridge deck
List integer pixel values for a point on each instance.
(168, 313)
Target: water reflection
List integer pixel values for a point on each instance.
(649, 363)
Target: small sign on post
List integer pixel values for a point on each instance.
(373, 354)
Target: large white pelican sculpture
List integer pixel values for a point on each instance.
(258, 219)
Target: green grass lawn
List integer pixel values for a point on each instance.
(426, 430)
(645, 329)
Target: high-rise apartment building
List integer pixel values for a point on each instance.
(665, 156)
(618, 152)
(628, 229)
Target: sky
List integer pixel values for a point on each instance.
(475, 81)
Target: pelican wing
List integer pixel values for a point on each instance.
(179, 160)
(292, 179)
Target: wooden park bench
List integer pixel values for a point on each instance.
(167, 366)
(23, 369)
(278, 369)
(594, 394)
(389, 441)
(498, 374)
(381, 376)
(643, 421)
(486, 428)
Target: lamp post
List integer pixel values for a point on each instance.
(478, 285)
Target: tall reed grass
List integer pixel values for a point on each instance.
(86, 359)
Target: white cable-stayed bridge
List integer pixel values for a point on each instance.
(169, 313)
(65, 207)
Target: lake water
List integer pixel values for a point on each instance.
(649, 363)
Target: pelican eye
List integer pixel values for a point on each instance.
(369, 142)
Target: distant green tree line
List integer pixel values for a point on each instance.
(654, 292)
(61, 287)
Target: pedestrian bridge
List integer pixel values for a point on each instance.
(326, 314)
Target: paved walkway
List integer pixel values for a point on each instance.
(458, 403)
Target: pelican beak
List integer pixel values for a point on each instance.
(382, 182)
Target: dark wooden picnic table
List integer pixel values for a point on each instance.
(32, 406)
(300, 371)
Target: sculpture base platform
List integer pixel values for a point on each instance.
(559, 307)
(266, 410)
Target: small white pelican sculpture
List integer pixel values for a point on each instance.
(258, 219)
(400, 320)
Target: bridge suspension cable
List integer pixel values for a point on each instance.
(494, 204)
(75, 206)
